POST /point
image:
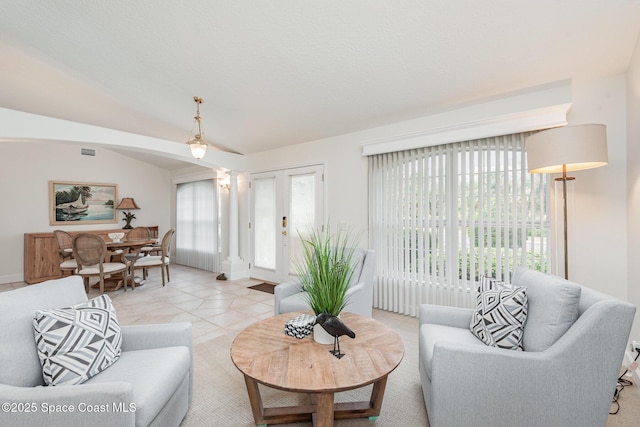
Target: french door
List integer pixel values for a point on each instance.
(285, 204)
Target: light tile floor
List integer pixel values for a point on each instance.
(214, 307)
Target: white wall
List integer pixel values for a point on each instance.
(633, 185)
(345, 173)
(598, 250)
(25, 172)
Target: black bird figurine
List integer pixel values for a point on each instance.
(335, 328)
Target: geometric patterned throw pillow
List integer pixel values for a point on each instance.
(499, 317)
(78, 342)
(486, 283)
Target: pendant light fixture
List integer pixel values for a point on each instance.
(197, 143)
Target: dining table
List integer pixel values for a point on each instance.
(120, 248)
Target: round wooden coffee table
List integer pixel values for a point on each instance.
(266, 355)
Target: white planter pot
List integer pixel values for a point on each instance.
(321, 336)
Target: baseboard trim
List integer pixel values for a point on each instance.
(11, 278)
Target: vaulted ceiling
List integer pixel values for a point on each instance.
(274, 73)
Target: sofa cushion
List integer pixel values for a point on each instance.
(75, 343)
(499, 317)
(553, 307)
(432, 334)
(154, 374)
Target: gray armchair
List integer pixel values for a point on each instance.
(151, 383)
(566, 375)
(289, 296)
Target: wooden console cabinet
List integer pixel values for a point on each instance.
(41, 259)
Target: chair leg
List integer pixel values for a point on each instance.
(102, 284)
(127, 277)
(132, 277)
(162, 269)
(168, 277)
(86, 284)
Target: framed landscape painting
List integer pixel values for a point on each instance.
(82, 203)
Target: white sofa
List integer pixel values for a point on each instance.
(574, 342)
(154, 372)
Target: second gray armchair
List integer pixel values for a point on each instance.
(289, 296)
(574, 341)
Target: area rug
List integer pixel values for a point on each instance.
(264, 287)
(220, 395)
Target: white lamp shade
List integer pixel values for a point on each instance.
(578, 147)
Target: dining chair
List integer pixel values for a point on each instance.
(137, 233)
(161, 261)
(90, 251)
(67, 262)
(154, 248)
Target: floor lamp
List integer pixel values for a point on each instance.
(565, 149)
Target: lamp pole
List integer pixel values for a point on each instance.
(564, 180)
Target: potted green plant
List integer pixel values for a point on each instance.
(128, 217)
(325, 270)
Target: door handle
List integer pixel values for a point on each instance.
(284, 222)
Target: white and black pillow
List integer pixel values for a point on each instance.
(500, 314)
(78, 342)
(486, 283)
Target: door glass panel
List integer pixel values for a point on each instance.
(265, 223)
(302, 211)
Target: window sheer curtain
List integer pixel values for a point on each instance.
(197, 225)
(441, 216)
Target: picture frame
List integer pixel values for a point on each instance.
(82, 203)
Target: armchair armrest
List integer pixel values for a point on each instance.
(354, 289)
(462, 373)
(105, 404)
(284, 290)
(359, 299)
(143, 337)
(446, 316)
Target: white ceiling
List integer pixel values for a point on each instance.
(274, 73)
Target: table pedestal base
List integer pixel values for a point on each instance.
(116, 282)
(322, 410)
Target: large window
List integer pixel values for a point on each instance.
(441, 216)
(197, 225)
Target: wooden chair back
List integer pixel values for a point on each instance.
(166, 242)
(139, 233)
(88, 249)
(63, 239)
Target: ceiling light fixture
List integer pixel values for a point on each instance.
(197, 143)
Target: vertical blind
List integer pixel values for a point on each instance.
(441, 216)
(197, 225)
